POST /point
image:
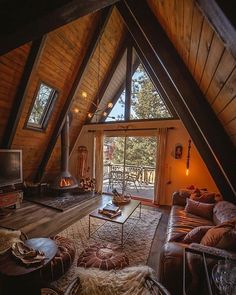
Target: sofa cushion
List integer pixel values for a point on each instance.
(180, 223)
(205, 197)
(199, 209)
(223, 211)
(222, 236)
(196, 234)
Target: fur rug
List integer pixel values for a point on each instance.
(7, 238)
(129, 280)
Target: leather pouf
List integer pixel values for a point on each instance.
(104, 256)
(62, 261)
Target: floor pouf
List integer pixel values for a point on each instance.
(104, 256)
(62, 261)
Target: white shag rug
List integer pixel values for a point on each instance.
(130, 280)
(137, 246)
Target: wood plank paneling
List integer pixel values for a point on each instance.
(11, 68)
(56, 67)
(197, 24)
(226, 94)
(207, 55)
(109, 46)
(213, 59)
(223, 71)
(203, 50)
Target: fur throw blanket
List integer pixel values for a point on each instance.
(129, 280)
(7, 238)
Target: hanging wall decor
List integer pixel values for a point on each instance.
(188, 157)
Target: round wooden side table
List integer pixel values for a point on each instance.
(18, 278)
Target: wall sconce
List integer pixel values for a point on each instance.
(188, 157)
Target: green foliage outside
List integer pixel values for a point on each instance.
(146, 103)
(40, 104)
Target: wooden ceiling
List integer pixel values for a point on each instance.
(67, 58)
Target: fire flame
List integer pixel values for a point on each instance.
(66, 181)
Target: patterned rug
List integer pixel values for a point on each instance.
(137, 246)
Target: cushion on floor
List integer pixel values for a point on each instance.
(104, 256)
(62, 261)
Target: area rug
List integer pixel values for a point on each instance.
(62, 202)
(137, 246)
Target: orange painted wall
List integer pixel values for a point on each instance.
(174, 168)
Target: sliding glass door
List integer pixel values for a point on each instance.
(129, 165)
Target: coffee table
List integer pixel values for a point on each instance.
(126, 211)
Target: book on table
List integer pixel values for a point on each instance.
(110, 207)
(109, 214)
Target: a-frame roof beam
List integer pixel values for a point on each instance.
(222, 16)
(78, 78)
(23, 21)
(155, 81)
(202, 124)
(19, 100)
(108, 78)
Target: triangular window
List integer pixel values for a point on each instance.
(146, 102)
(118, 111)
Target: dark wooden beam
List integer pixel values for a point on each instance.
(78, 78)
(19, 101)
(107, 78)
(23, 21)
(222, 16)
(120, 90)
(190, 104)
(156, 82)
(128, 81)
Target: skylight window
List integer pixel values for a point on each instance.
(41, 110)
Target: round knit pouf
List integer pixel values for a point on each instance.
(104, 256)
(61, 262)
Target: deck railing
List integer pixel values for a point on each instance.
(145, 174)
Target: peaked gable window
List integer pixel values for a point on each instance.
(146, 102)
(42, 107)
(118, 110)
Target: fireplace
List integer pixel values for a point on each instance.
(65, 182)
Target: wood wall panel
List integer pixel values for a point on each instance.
(11, 68)
(212, 62)
(58, 63)
(108, 48)
(202, 50)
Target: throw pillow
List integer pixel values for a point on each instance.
(204, 197)
(196, 234)
(222, 236)
(199, 209)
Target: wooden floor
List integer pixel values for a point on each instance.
(38, 221)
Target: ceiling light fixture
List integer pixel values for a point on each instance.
(100, 111)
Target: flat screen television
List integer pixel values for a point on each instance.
(10, 167)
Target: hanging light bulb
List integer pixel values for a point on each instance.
(90, 115)
(104, 114)
(76, 110)
(84, 94)
(109, 105)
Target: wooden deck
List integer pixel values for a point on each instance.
(38, 221)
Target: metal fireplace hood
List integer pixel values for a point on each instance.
(65, 181)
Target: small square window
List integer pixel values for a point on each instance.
(42, 107)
